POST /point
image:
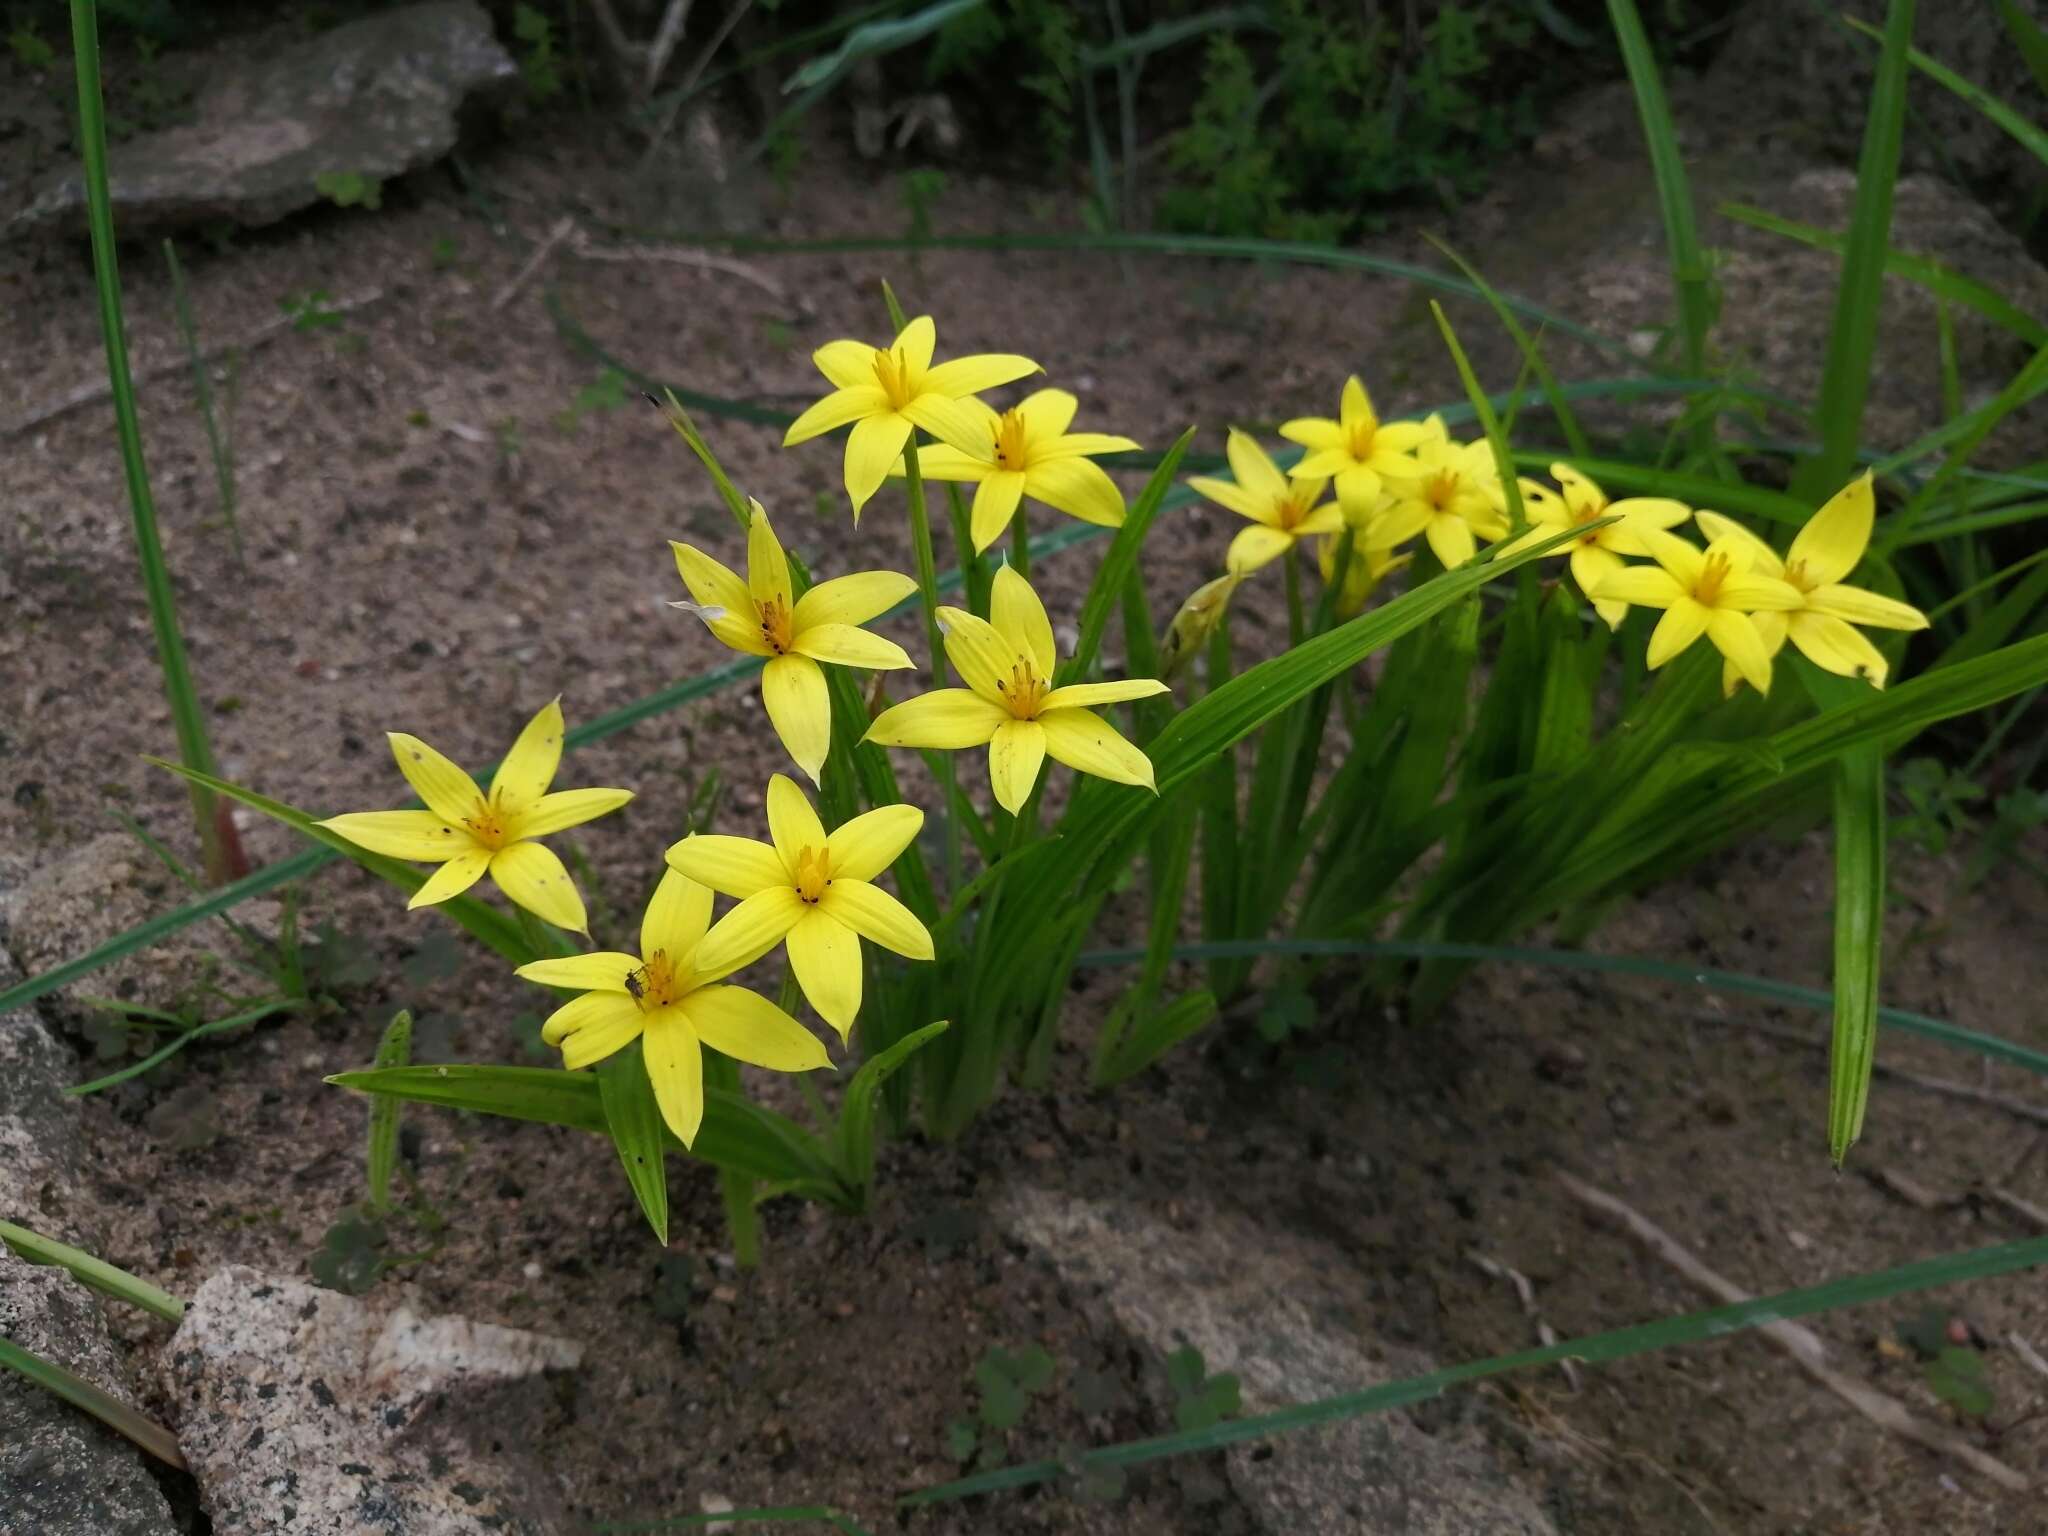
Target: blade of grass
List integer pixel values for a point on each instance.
(187, 718)
(2028, 132)
(97, 1273)
(220, 446)
(1553, 395)
(164, 1053)
(394, 1050)
(80, 1393)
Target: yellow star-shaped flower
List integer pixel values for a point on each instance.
(1709, 592)
(1597, 553)
(1028, 451)
(1357, 450)
(1282, 509)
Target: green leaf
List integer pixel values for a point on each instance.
(2028, 37)
(394, 1050)
(1106, 591)
(2025, 130)
(1158, 1031)
(1859, 937)
(97, 1273)
(857, 1112)
(875, 37)
(163, 1053)
(1958, 1378)
(1532, 354)
(80, 1393)
(1489, 420)
(633, 1118)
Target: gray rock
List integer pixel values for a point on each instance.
(61, 1472)
(1267, 1306)
(377, 97)
(310, 1413)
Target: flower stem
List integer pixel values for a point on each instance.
(928, 590)
(1020, 543)
(1295, 625)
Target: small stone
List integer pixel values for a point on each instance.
(1561, 1062)
(716, 1504)
(724, 1293)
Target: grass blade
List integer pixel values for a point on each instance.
(97, 1273)
(394, 1050)
(633, 1118)
(164, 1053)
(2027, 132)
(80, 1393)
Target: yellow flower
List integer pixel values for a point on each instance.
(1281, 509)
(1368, 568)
(1028, 451)
(471, 834)
(1595, 555)
(1711, 592)
(1009, 702)
(758, 617)
(812, 891)
(886, 392)
(1828, 548)
(666, 996)
(1357, 449)
(1446, 494)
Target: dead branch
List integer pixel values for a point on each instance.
(563, 229)
(681, 256)
(2027, 1352)
(1525, 1292)
(1801, 1343)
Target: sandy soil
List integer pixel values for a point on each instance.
(432, 546)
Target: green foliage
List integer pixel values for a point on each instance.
(921, 189)
(1029, 45)
(540, 64)
(29, 47)
(350, 189)
(1006, 1382)
(311, 310)
(1200, 1400)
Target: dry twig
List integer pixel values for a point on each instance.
(1801, 1343)
(563, 229)
(1525, 1292)
(2027, 1352)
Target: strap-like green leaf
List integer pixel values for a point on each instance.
(633, 1117)
(394, 1050)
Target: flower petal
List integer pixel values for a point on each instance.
(1019, 617)
(1015, 754)
(1227, 493)
(936, 461)
(946, 718)
(792, 823)
(874, 914)
(1861, 607)
(1089, 695)
(747, 1027)
(1831, 544)
(1828, 642)
(611, 1017)
(1354, 404)
(1451, 538)
(875, 443)
(419, 835)
(567, 808)
(1735, 637)
(529, 768)
(825, 956)
(869, 843)
(601, 971)
(1328, 518)
(452, 878)
(1683, 622)
(995, 503)
(732, 866)
(677, 914)
(956, 423)
(1252, 468)
(982, 370)
(767, 565)
(917, 340)
(1358, 491)
(1315, 433)
(1047, 414)
(1642, 586)
(1321, 463)
(533, 877)
(722, 600)
(1592, 565)
(448, 792)
(1684, 561)
(852, 599)
(800, 708)
(749, 931)
(1078, 487)
(848, 364)
(1074, 444)
(847, 645)
(1753, 593)
(675, 1067)
(982, 657)
(1085, 741)
(836, 410)
(1256, 546)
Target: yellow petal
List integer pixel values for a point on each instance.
(1087, 742)
(1684, 561)
(1735, 637)
(1832, 543)
(852, 599)
(1019, 617)
(982, 657)
(957, 423)
(1683, 622)
(1089, 695)
(845, 645)
(824, 954)
(1828, 642)
(1354, 404)
(1358, 492)
(448, 792)
(936, 461)
(995, 504)
(602, 971)
(1252, 468)
(733, 866)
(916, 341)
(1328, 518)
(531, 876)
(1861, 607)
(1582, 494)
(1078, 488)
(767, 565)
(589, 1028)
(1256, 546)
(874, 914)
(792, 824)
(1226, 493)
(720, 599)
(800, 708)
(1451, 539)
(1073, 444)
(529, 768)
(419, 835)
(1752, 593)
(948, 719)
(452, 878)
(677, 914)
(836, 410)
(1315, 433)
(848, 364)
(1643, 586)
(747, 1027)
(1047, 414)
(749, 931)
(675, 1067)
(869, 843)
(983, 370)
(567, 808)
(875, 443)
(1015, 754)
(580, 1012)
(1321, 463)
(1592, 565)
(1395, 525)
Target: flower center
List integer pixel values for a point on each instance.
(813, 873)
(1362, 432)
(1715, 573)
(1797, 574)
(487, 823)
(1442, 488)
(776, 626)
(1024, 691)
(893, 373)
(1013, 440)
(656, 983)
